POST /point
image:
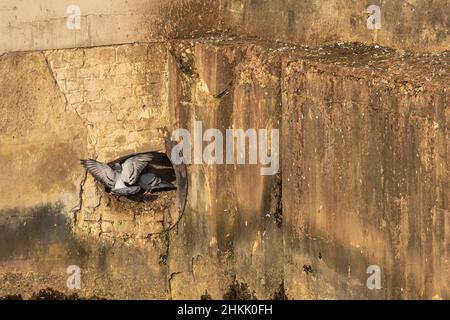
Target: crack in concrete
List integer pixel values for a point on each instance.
(80, 196)
(67, 103)
(225, 92)
(92, 146)
(56, 82)
(171, 277)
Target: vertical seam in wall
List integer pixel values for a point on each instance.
(66, 107)
(56, 82)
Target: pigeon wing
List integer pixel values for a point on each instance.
(148, 180)
(100, 171)
(132, 167)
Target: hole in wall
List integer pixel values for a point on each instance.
(172, 202)
(161, 166)
(150, 211)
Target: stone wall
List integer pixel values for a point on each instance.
(363, 181)
(58, 107)
(120, 95)
(118, 92)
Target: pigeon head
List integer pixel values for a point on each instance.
(117, 167)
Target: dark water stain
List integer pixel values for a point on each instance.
(280, 294)
(307, 268)
(51, 294)
(206, 296)
(291, 18)
(44, 236)
(239, 291)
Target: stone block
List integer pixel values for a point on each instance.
(132, 53)
(100, 55)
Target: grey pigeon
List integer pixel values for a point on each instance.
(150, 181)
(121, 177)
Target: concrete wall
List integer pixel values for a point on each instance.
(364, 172)
(418, 25)
(229, 227)
(37, 25)
(364, 151)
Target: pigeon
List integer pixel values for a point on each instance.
(121, 178)
(150, 181)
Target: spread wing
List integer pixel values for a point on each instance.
(132, 167)
(100, 171)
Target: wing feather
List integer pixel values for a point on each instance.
(132, 167)
(100, 171)
(148, 180)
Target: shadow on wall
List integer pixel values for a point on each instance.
(38, 244)
(27, 233)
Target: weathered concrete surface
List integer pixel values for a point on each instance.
(419, 25)
(38, 244)
(364, 179)
(366, 173)
(35, 145)
(38, 24)
(58, 107)
(229, 227)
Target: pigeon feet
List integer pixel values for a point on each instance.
(147, 193)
